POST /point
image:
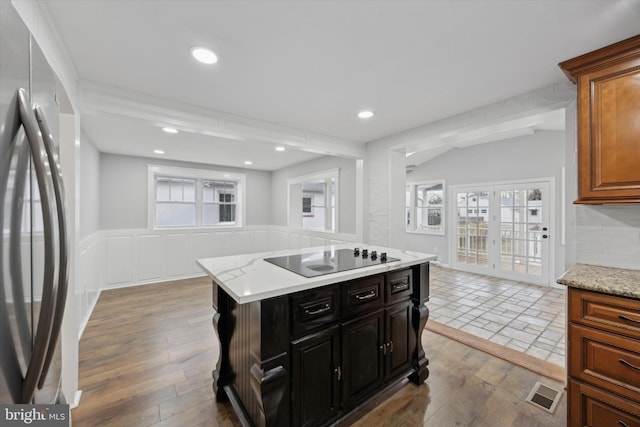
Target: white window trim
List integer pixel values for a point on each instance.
(331, 173)
(199, 174)
(412, 226)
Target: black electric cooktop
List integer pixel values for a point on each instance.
(327, 262)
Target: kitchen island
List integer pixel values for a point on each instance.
(298, 350)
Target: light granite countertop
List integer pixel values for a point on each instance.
(608, 280)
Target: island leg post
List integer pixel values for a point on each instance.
(420, 361)
(419, 317)
(223, 327)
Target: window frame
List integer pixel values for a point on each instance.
(331, 174)
(199, 175)
(411, 222)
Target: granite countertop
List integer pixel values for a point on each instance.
(249, 277)
(608, 280)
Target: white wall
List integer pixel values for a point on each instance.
(123, 195)
(608, 235)
(347, 190)
(540, 155)
(382, 169)
(89, 188)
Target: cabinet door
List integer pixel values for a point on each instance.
(609, 152)
(398, 328)
(315, 387)
(590, 406)
(362, 357)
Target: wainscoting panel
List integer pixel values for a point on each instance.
(119, 260)
(201, 246)
(151, 251)
(261, 241)
(178, 259)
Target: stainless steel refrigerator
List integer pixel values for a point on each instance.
(33, 254)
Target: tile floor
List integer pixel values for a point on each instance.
(521, 316)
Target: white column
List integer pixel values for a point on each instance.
(69, 155)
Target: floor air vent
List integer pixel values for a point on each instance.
(544, 397)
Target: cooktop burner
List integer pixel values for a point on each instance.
(327, 262)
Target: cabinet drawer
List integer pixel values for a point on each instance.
(611, 313)
(362, 296)
(606, 360)
(399, 286)
(591, 407)
(314, 308)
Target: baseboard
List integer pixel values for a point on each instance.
(151, 281)
(76, 399)
(87, 316)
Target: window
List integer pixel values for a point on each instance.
(219, 202)
(425, 203)
(180, 197)
(306, 206)
(317, 194)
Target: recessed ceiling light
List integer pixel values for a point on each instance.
(248, 162)
(158, 151)
(365, 114)
(280, 148)
(170, 130)
(204, 55)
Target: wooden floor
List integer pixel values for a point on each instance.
(147, 353)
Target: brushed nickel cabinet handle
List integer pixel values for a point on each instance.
(326, 307)
(400, 287)
(383, 347)
(338, 372)
(629, 365)
(628, 319)
(364, 297)
(391, 346)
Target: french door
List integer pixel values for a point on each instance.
(503, 229)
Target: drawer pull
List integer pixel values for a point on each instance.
(400, 287)
(629, 365)
(326, 307)
(622, 423)
(628, 319)
(365, 297)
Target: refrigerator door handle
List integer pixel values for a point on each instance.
(63, 269)
(47, 305)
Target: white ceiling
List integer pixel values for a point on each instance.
(295, 73)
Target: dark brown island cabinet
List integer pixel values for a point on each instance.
(310, 358)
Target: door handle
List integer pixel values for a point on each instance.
(47, 305)
(15, 245)
(63, 268)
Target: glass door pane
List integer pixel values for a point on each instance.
(522, 219)
(503, 228)
(472, 228)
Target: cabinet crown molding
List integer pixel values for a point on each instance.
(620, 51)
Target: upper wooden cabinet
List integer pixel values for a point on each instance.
(608, 82)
